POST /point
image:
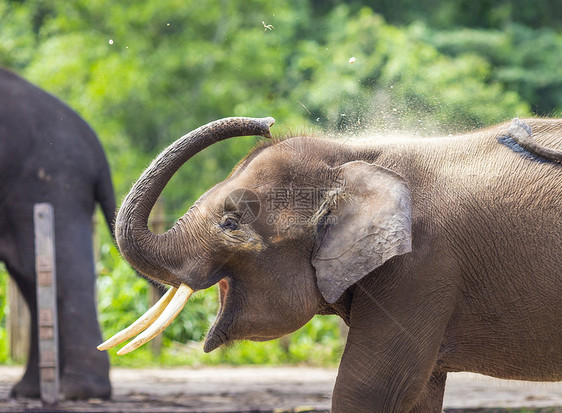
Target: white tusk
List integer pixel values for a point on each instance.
(142, 323)
(171, 311)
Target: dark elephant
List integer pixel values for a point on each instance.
(49, 154)
(441, 254)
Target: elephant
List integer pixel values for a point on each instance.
(48, 153)
(440, 254)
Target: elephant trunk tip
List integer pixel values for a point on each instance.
(265, 124)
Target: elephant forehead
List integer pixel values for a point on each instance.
(209, 203)
(224, 196)
(293, 161)
(281, 167)
(270, 161)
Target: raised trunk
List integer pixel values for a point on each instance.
(155, 255)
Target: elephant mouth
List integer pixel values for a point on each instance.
(223, 290)
(218, 335)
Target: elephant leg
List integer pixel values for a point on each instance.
(28, 386)
(84, 369)
(393, 343)
(391, 383)
(431, 400)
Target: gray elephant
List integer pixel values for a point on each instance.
(49, 154)
(440, 254)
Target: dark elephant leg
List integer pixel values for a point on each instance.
(84, 369)
(431, 400)
(17, 254)
(28, 386)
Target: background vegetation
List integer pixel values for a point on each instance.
(145, 72)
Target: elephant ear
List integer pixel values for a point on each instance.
(362, 224)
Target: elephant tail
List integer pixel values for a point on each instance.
(105, 196)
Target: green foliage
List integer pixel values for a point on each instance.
(445, 14)
(397, 81)
(4, 351)
(144, 73)
(525, 61)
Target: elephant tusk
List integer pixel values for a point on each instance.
(170, 312)
(142, 322)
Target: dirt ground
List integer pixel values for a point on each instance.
(276, 390)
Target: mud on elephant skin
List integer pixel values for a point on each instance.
(440, 254)
(49, 154)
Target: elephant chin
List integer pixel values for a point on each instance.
(214, 340)
(227, 325)
(230, 326)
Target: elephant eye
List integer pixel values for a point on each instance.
(229, 223)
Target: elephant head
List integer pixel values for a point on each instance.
(284, 235)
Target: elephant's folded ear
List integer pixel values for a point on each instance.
(367, 223)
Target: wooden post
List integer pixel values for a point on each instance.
(157, 225)
(46, 303)
(18, 322)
